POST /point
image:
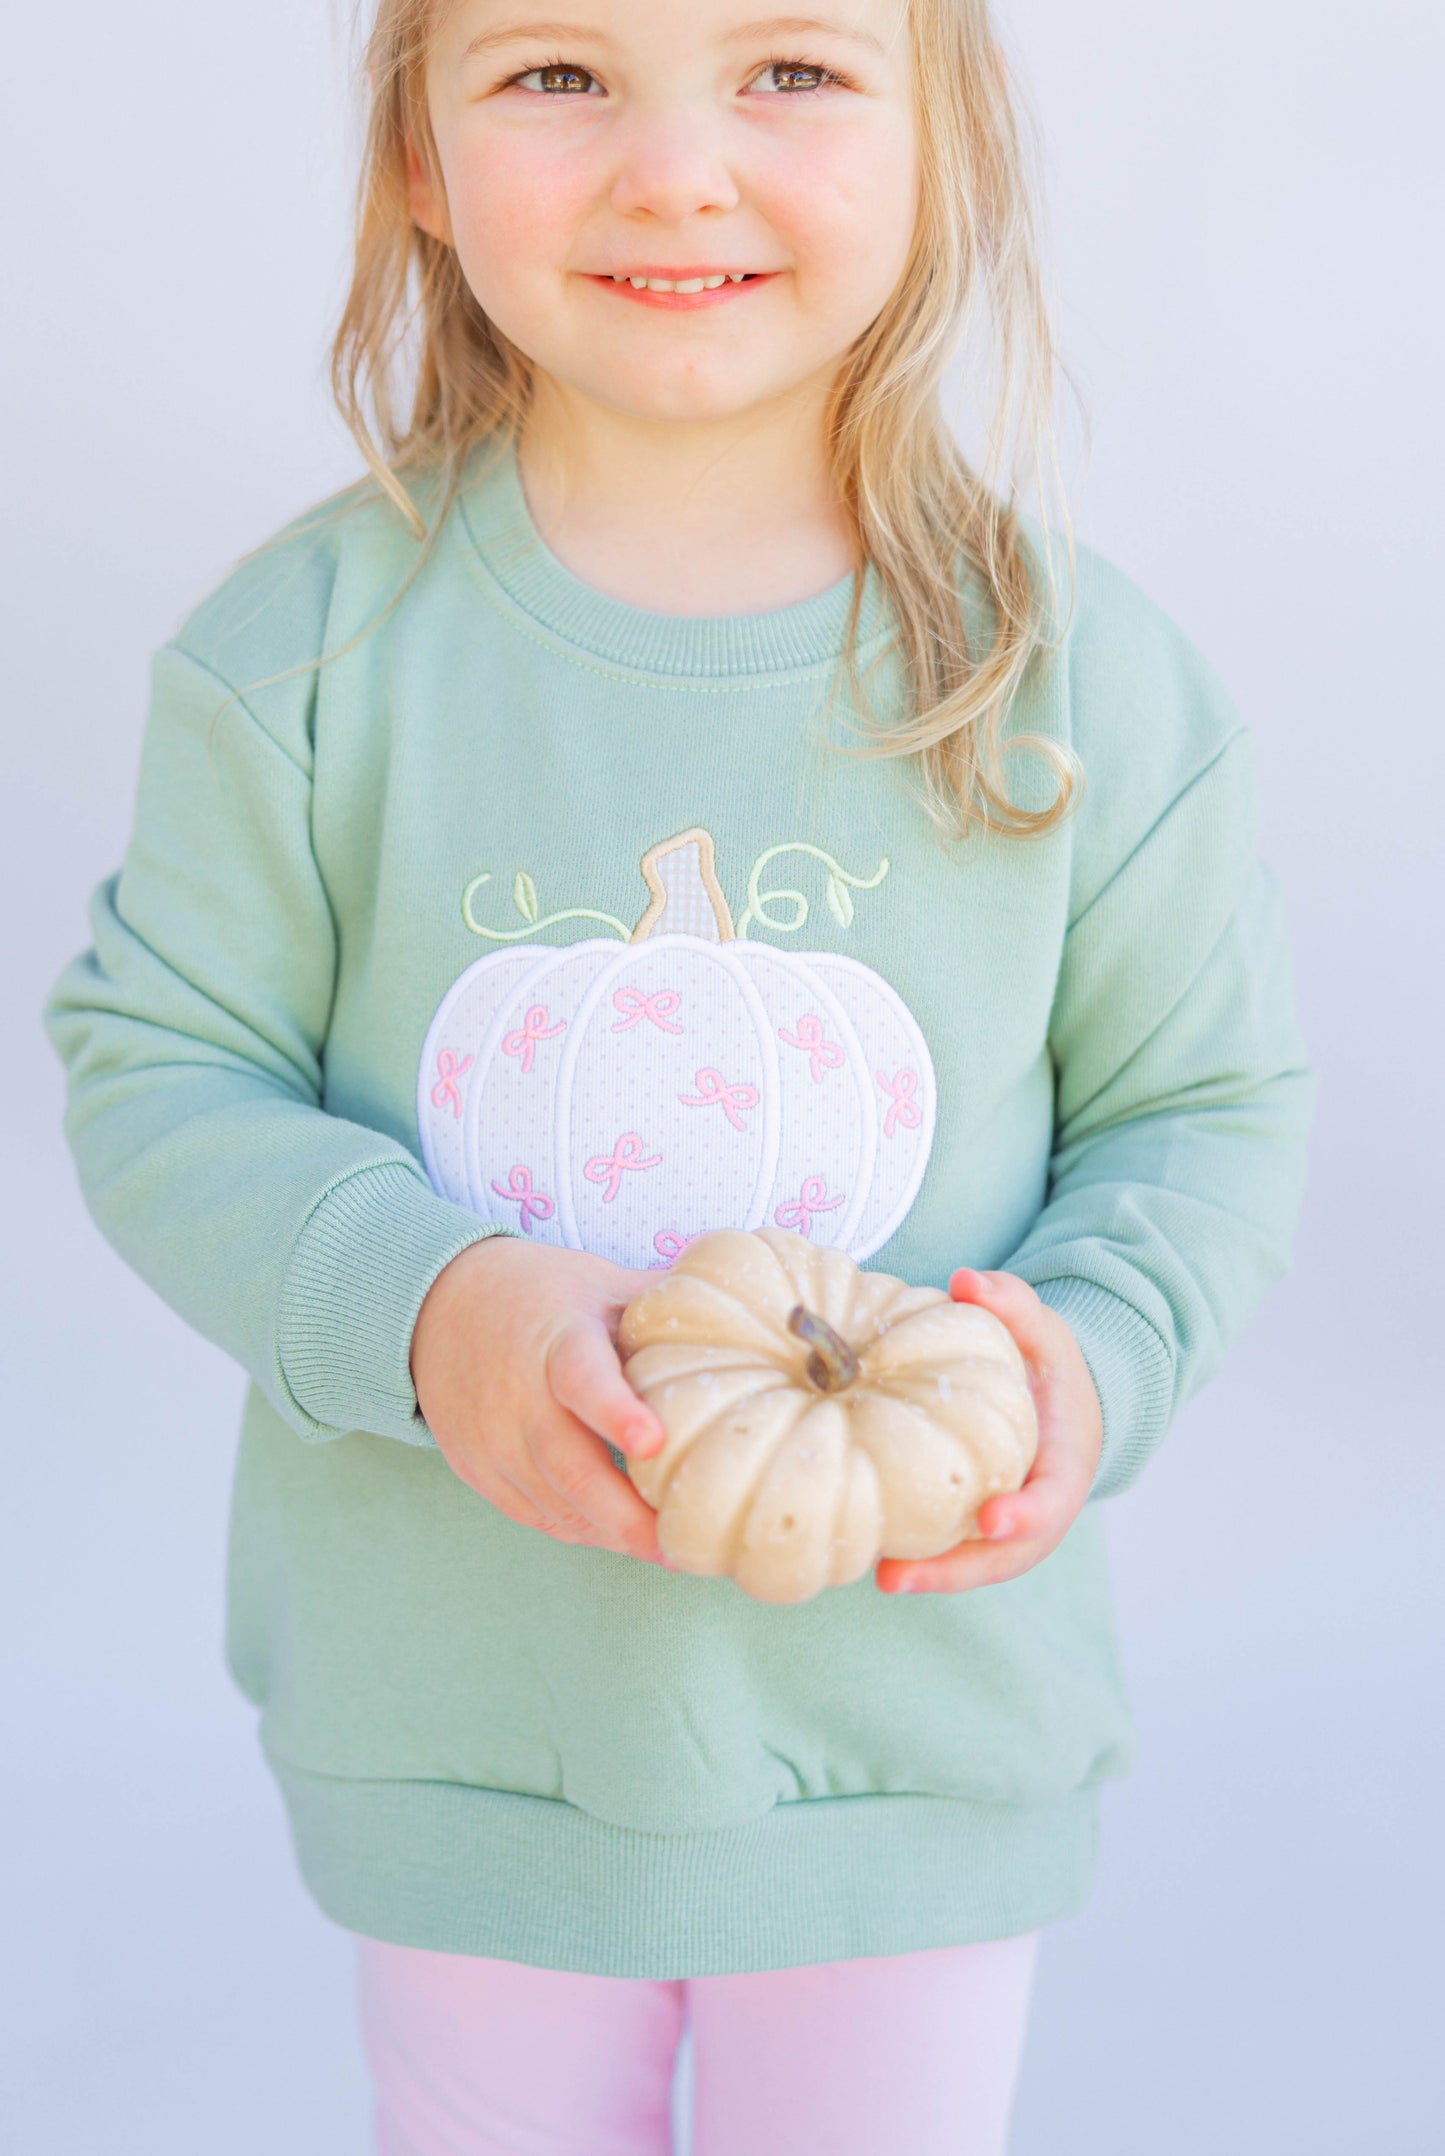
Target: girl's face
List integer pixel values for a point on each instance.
(624, 143)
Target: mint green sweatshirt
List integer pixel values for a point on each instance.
(365, 989)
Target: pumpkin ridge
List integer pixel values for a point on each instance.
(988, 1387)
(725, 1257)
(807, 1459)
(990, 1346)
(860, 1460)
(741, 1380)
(718, 1360)
(904, 1292)
(867, 1315)
(797, 1290)
(911, 1408)
(742, 1512)
(883, 1361)
(728, 1308)
(995, 1430)
(672, 1457)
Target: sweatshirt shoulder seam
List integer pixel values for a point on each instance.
(237, 697)
(1238, 734)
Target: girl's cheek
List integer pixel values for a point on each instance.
(847, 221)
(516, 216)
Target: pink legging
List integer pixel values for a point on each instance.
(915, 2052)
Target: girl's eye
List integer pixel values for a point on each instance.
(793, 76)
(558, 79)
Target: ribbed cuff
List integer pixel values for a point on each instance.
(1133, 1373)
(358, 1276)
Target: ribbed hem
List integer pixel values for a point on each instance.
(1133, 1374)
(714, 653)
(534, 1879)
(358, 1276)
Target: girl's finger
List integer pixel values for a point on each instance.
(1051, 1495)
(573, 1475)
(585, 1377)
(507, 1496)
(1016, 1530)
(1033, 1325)
(1069, 1410)
(972, 1564)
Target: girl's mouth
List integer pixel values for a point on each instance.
(682, 294)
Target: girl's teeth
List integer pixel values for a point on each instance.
(685, 284)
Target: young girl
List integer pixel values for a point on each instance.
(671, 608)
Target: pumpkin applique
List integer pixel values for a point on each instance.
(817, 1417)
(624, 1099)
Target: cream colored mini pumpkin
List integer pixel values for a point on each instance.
(817, 1417)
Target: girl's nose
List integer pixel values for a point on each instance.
(672, 167)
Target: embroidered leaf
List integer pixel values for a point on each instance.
(524, 895)
(840, 902)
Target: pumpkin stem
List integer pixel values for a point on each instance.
(681, 874)
(832, 1364)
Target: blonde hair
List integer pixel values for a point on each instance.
(422, 378)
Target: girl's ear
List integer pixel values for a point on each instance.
(427, 207)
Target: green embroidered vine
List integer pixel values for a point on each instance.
(840, 904)
(838, 887)
(524, 898)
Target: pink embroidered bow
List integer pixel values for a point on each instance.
(714, 1091)
(609, 1168)
(902, 1091)
(534, 1028)
(812, 1198)
(669, 1246)
(448, 1072)
(534, 1203)
(634, 1006)
(823, 1054)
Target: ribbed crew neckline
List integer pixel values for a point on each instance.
(787, 639)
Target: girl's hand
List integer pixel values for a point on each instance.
(514, 1360)
(1021, 1526)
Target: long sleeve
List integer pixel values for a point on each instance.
(1183, 1101)
(192, 1032)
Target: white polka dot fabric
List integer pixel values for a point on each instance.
(623, 1099)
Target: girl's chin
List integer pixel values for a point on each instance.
(679, 402)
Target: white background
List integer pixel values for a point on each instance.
(1247, 251)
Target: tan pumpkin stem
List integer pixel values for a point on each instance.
(687, 895)
(832, 1364)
